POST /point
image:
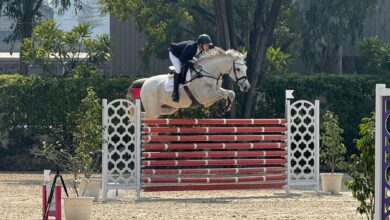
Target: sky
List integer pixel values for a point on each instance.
(90, 13)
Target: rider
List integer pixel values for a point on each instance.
(181, 55)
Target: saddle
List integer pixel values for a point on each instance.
(182, 80)
(184, 75)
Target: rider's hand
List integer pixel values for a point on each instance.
(197, 66)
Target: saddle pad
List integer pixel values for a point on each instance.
(169, 82)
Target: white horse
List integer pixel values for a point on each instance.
(204, 87)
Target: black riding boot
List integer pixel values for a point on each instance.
(175, 94)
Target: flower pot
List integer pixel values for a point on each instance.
(78, 208)
(331, 182)
(90, 188)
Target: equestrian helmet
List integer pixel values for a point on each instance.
(204, 39)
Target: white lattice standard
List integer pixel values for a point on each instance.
(119, 161)
(303, 138)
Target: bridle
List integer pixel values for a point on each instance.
(235, 73)
(200, 74)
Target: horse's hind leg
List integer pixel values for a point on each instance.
(151, 111)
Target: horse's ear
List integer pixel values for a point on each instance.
(244, 56)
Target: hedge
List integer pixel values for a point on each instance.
(31, 106)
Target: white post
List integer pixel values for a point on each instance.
(378, 150)
(105, 149)
(317, 145)
(138, 148)
(289, 95)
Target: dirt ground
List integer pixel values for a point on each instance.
(20, 198)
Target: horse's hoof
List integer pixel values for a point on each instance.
(228, 105)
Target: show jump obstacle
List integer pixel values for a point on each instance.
(382, 151)
(209, 154)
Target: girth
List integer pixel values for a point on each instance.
(195, 102)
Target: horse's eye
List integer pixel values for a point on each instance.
(238, 69)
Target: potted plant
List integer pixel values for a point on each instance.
(332, 153)
(77, 151)
(62, 154)
(88, 136)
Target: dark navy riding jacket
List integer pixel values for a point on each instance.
(185, 51)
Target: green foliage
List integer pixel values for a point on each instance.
(77, 152)
(51, 47)
(330, 21)
(277, 61)
(288, 30)
(362, 168)
(88, 132)
(332, 147)
(350, 96)
(376, 54)
(165, 21)
(192, 113)
(162, 21)
(34, 107)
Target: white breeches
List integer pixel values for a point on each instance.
(175, 61)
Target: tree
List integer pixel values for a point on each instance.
(332, 146)
(226, 36)
(26, 15)
(77, 152)
(361, 168)
(162, 21)
(261, 32)
(225, 22)
(327, 25)
(49, 42)
(375, 55)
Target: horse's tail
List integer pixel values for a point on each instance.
(134, 89)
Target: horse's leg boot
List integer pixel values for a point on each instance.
(175, 94)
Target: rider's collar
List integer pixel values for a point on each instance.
(197, 51)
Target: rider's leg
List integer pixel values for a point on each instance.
(175, 94)
(175, 61)
(177, 80)
(177, 64)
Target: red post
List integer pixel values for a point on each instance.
(57, 211)
(58, 203)
(44, 200)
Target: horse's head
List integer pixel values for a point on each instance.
(217, 61)
(238, 70)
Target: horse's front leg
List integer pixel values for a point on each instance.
(214, 95)
(229, 100)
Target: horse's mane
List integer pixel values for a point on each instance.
(234, 53)
(217, 51)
